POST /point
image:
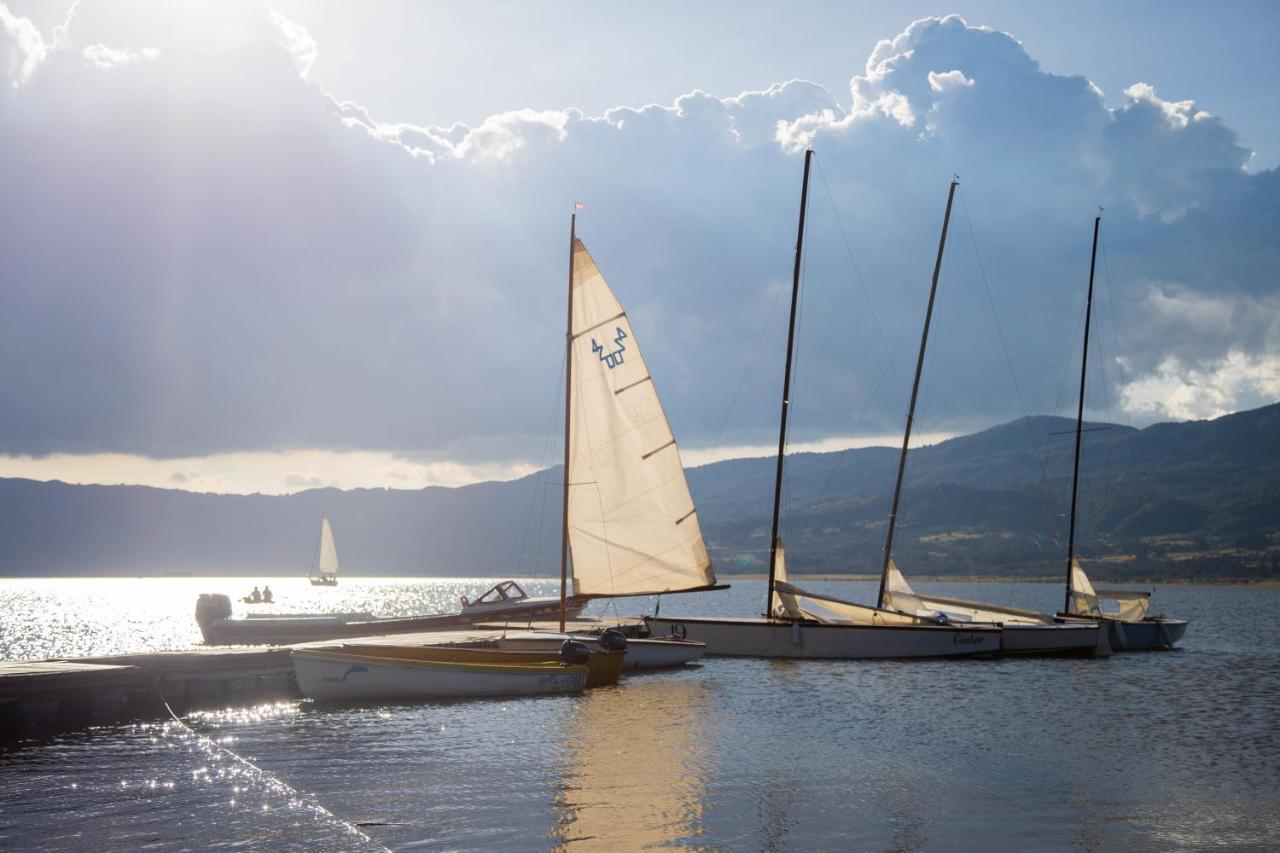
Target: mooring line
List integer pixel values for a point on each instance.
(275, 781)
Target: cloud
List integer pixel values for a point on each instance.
(26, 48)
(107, 57)
(240, 261)
(295, 39)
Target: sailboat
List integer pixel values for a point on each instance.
(1124, 612)
(324, 572)
(802, 624)
(1024, 631)
(630, 525)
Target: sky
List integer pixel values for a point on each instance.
(251, 247)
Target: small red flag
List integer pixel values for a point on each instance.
(577, 205)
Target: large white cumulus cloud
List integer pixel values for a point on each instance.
(201, 251)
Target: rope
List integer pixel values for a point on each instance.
(279, 785)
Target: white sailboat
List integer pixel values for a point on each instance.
(802, 624)
(630, 525)
(324, 571)
(1129, 627)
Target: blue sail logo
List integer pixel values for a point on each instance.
(614, 357)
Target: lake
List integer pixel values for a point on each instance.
(1142, 751)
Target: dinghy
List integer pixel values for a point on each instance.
(324, 569)
(604, 665)
(641, 653)
(802, 624)
(332, 676)
(219, 628)
(1129, 628)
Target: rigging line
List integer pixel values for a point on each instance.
(866, 295)
(926, 385)
(538, 499)
(1004, 346)
(1115, 332)
(737, 392)
(795, 376)
(275, 782)
(865, 409)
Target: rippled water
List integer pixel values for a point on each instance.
(1154, 751)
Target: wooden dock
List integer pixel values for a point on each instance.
(43, 698)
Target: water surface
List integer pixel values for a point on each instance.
(1147, 751)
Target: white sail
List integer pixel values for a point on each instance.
(1126, 606)
(899, 595)
(327, 555)
(791, 602)
(632, 525)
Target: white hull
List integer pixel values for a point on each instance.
(334, 677)
(1083, 638)
(640, 654)
(772, 638)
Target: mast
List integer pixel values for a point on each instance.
(786, 387)
(915, 391)
(1084, 365)
(568, 402)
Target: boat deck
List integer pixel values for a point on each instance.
(42, 698)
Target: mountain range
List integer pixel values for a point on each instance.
(1199, 499)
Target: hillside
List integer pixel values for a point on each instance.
(1193, 500)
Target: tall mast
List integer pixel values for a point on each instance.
(786, 387)
(915, 391)
(568, 403)
(1084, 365)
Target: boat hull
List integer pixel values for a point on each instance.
(1076, 638)
(1147, 635)
(640, 653)
(603, 668)
(772, 638)
(337, 677)
(280, 630)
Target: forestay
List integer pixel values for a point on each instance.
(632, 525)
(327, 556)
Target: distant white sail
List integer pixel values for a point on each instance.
(632, 525)
(327, 556)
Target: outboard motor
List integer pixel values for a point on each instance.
(613, 640)
(571, 651)
(210, 607)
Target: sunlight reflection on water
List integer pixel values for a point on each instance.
(1152, 751)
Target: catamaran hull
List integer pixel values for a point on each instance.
(1147, 635)
(639, 654)
(1084, 638)
(769, 638)
(354, 678)
(280, 630)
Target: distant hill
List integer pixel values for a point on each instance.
(1188, 500)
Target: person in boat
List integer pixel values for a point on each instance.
(267, 596)
(255, 596)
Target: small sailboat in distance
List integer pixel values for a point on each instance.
(324, 569)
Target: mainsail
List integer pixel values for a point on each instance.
(327, 553)
(633, 529)
(791, 602)
(1130, 606)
